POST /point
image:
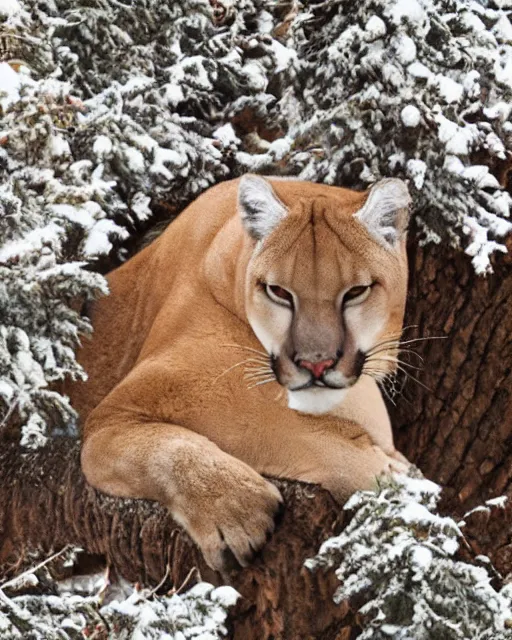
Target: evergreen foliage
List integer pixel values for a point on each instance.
(396, 557)
(61, 614)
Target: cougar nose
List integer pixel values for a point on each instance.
(316, 368)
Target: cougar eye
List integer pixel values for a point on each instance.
(356, 295)
(279, 295)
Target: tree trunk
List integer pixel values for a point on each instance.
(458, 433)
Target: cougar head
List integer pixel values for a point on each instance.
(326, 282)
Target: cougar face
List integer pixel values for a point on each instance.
(325, 284)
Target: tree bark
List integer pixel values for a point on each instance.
(45, 504)
(458, 430)
(458, 433)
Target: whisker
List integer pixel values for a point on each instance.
(395, 361)
(247, 362)
(384, 349)
(234, 366)
(257, 384)
(259, 374)
(380, 382)
(241, 346)
(279, 395)
(409, 375)
(385, 344)
(397, 348)
(412, 352)
(387, 395)
(412, 340)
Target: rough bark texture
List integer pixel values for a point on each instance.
(459, 434)
(45, 505)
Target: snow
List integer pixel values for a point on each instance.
(78, 215)
(453, 164)
(284, 57)
(416, 170)
(265, 22)
(174, 94)
(8, 9)
(198, 614)
(418, 488)
(450, 546)
(396, 542)
(375, 28)
(32, 241)
(422, 557)
(256, 75)
(6, 390)
(33, 433)
(280, 148)
(479, 174)
(503, 29)
(135, 160)
(457, 140)
(405, 9)
(499, 110)
(500, 501)
(410, 116)
(10, 83)
(472, 22)
(480, 247)
(449, 90)
(471, 84)
(59, 147)
(226, 596)
(405, 48)
(140, 206)
(194, 65)
(102, 146)
(137, 84)
(226, 135)
(98, 241)
(419, 70)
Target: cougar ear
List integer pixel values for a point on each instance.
(386, 211)
(260, 208)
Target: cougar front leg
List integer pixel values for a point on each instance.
(343, 466)
(220, 501)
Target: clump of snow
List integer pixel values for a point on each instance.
(410, 115)
(9, 8)
(226, 135)
(449, 90)
(416, 170)
(500, 501)
(375, 28)
(10, 83)
(102, 146)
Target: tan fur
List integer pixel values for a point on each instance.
(167, 411)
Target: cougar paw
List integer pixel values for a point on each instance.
(231, 528)
(394, 462)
